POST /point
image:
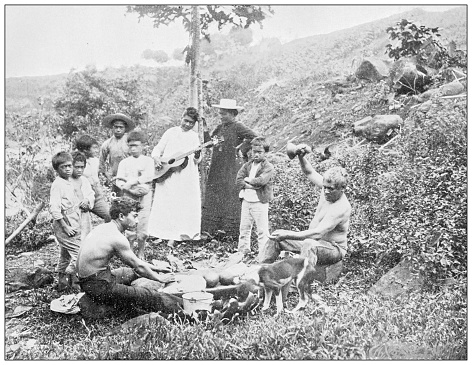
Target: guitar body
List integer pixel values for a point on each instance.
(168, 168)
(179, 162)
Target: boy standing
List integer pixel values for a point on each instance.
(114, 149)
(134, 178)
(64, 206)
(84, 191)
(90, 148)
(254, 180)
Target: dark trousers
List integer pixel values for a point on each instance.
(319, 252)
(113, 287)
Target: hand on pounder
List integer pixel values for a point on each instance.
(303, 149)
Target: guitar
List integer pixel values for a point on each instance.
(174, 163)
(179, 162)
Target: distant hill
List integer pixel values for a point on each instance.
(318, 57)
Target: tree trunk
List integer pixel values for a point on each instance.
(195, 91)
(195, 58)
(32, 216)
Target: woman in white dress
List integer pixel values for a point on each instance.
(176, 209)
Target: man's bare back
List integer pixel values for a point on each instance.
(98, 248)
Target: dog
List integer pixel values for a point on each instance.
(276, 278)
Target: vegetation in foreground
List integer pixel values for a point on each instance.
(350, 324)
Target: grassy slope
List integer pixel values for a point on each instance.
(352, 325)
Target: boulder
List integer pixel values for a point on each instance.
(328, 273)
(408, 77)
(373, 69)
(451, 88)
(399, 280)
(428, 95)
(377, 128)
(29, 279)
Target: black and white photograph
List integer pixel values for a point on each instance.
(235, 182)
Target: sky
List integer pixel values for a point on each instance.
(52, 39)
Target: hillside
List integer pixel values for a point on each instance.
(284, 88)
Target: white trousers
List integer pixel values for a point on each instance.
(258, 213)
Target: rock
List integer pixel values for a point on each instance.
(373, 69)
(425, 106)
(409, 77)
(26, 254)
(428, 95)
(30, 279)
(452, 88)
(39, 263)
(377, 128)
(328, 273)
(399, 280)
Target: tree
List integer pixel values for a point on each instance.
(240, 16)
(158, 56)
(88, 97)
(197, 20)
(416, 41)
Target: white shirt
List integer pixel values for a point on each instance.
(250, 195)
(133, 167)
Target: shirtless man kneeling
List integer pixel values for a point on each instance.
(113, 287)
(325, 240)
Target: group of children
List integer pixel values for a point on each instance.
(77, 191)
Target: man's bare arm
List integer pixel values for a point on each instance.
(141, 267)
(327, 225)
(309, 171)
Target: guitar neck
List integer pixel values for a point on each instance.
(183, 155)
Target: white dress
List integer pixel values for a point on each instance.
(176, 208)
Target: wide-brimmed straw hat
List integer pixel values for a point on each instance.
(109, 119)
(228, 104)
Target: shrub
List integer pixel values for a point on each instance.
(418, 41)
(415, 206)
(89, 96)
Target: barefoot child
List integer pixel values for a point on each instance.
(90, 148)
(64, 206)
(84, 191)
(254, 180)
(137, 166)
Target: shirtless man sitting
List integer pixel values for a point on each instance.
(113, 287)
(325, 240)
